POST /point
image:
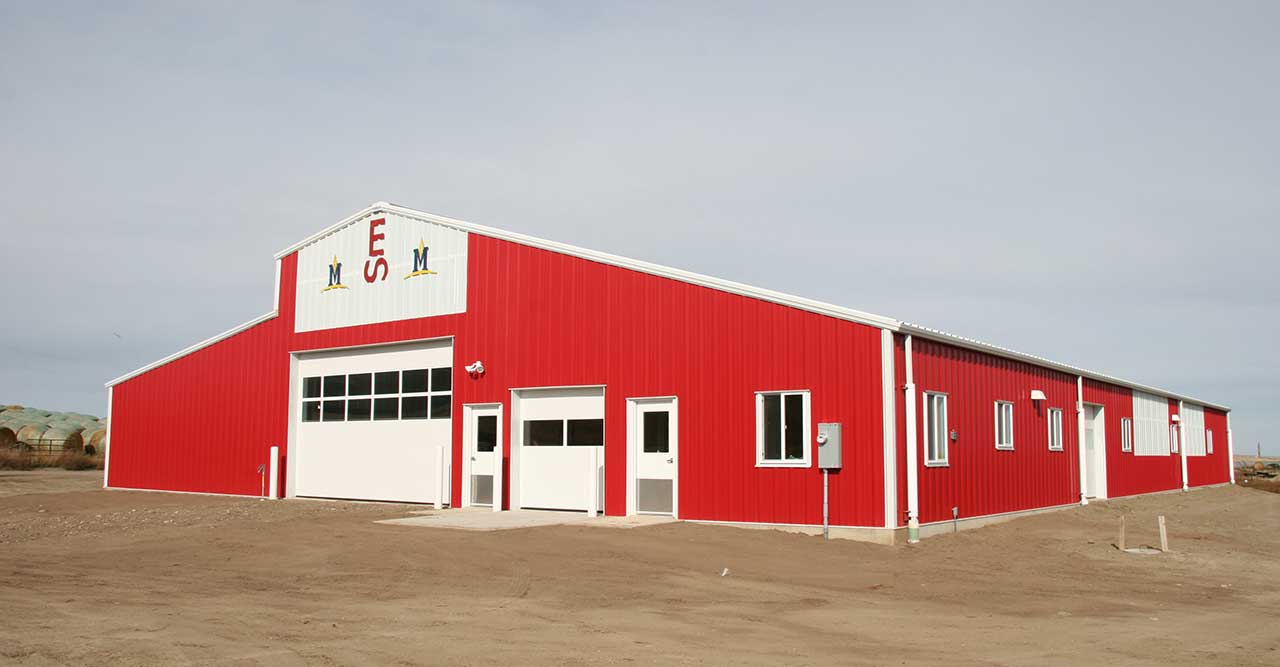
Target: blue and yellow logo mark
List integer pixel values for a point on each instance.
(420, 261)
(335, 276)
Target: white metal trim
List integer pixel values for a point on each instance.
(198, 346)
(741, 289)
(605, 258)
(1182, 448)
(890, 429)
(561, 386)
(106, 440)
(969, 343)
(1231, 451)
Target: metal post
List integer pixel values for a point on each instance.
(274, 471)
(826, 531)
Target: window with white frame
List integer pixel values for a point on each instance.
(1173, 438)
(1055, 429)
(935, 429)
(1126, 434)
(1208, 441)
(1004, 425)
(782, 428)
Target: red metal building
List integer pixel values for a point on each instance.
(417, 358)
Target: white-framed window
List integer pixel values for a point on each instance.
(936, 433)
(1004, 425)
(1208, 441)
(1126, 434)
(1173, 438)
(782, 429)
(1055, 429)
(418, 393)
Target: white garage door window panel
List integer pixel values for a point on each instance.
(557, 477)
(392, 460)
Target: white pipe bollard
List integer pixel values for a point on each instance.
(593, 483)
(440, 473)
(274, 477)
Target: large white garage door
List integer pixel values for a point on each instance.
(372, 423)
(558, 445)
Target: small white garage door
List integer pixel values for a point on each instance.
(558, 446)
(372, 423)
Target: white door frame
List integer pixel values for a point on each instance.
(468, 442)
(1099, 462)
(633, 450)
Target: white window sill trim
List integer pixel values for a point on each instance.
(1056, 449)
(1004, 448)
(936, 464)
(783, 464)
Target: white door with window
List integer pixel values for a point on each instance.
(557, 448)
(374, 423)
(482, 456)
(653, 449)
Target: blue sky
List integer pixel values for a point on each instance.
(1095, 184)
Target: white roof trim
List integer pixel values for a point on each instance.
(740, 289)
(198, 346)
(960, 341)
(729, 286)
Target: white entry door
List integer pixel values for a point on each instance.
(654, 448)
(482, 475)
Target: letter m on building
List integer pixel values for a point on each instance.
(335, 274)
(420, 258)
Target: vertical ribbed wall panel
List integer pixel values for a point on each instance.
(1212, 468)
(1127, 473)
(537, 318)
(979, 479)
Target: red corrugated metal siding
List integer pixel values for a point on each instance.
(1128, 474)
(206, 421)
(980, 479)
(1213, 468)
(538, 318)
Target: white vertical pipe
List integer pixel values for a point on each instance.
(273, 478)
(826, 532)
(913, 482)
(1231, 452)
(1084, 497)
(1182, 447)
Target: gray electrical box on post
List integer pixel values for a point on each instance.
(829, 446)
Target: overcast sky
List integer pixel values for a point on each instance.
(1098, 184)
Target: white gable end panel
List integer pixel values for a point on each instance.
(381, 268)
(1150, 424)
(1193, 429)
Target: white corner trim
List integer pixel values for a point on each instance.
(106, 443)
(889, 420)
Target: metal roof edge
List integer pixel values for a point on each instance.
(194, 348)
(960, 341)
(741, 289)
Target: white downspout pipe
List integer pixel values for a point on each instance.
(913, 483)
(1182, 447)
(1231, 452)
(1084, 497)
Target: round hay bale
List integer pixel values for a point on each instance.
(8, 439)
(70, 437)
(30, 432)
(94, 439)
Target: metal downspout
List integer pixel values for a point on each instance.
(1084, 498)
(913, 482)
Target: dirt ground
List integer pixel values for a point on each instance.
(114, 577)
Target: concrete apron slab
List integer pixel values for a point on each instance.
(484, 519)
